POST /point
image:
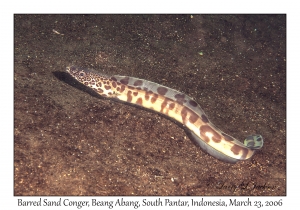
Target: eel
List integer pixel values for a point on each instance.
(173, 104)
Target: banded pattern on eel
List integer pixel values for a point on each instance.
(173, 104)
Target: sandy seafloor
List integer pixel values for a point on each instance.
(68, 141)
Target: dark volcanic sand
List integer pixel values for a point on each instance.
(70, 142)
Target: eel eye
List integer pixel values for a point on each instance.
(82, 74)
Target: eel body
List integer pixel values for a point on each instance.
(173, 104)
